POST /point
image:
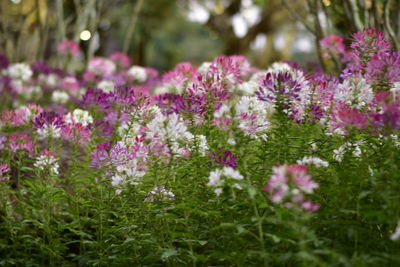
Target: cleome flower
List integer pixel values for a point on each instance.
(219, 177)
(288, 186)
(47, 161)
(159, 193)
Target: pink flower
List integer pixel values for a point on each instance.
(101, 66)
(70, 83)
(288, 186)
(334, 44)
(76, 132)
(344, 118)
(22, 142)
(121, 59)
(69, 48)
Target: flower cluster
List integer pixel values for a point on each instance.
(317, 162)
(288, 186)
(159, 193)
(47, 160)
(220, 177)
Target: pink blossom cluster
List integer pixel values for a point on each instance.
(69, 48)
(288, 186)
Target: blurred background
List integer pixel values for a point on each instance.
(161, 33)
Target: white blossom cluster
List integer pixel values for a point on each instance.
(356, 93)
(218, 177)
(79, 116)
(170, 129)
(138, 73)
(129, 171)
(47, 162)
(19, 71)
(127, 174)
(59, 97)
(49, 130)
(106, 86)
(317, 162)
(354, 148)
(253, 115)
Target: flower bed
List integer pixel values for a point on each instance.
(217, 165)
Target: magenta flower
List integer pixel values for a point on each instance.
(21, 142)
(345, 118)
(334, 44)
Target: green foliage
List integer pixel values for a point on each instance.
(78, 219)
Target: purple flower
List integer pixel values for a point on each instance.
(276, 86)
(49, 118)
(100, 156)
(226, 158)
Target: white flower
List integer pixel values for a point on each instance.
(229, 172)
(395, 89)
(396, 235)
(313, 161)
(168, 128)
(20, 71)
(248, 88)
(50, 80)
(127, 174)
(79, 116)
(46, 161)
(395, 139)
(355, 92)
(201, 142)
(59, 97)
(252, 115)
(339, 153)
(106, 86)
(231, 141)
(128, 130)
(204, 68)
(221, 111)
(139, 73)
(280, 67)
(161, 90)
(116, 180)
(49, 130)
(218, 191)
(214, 179)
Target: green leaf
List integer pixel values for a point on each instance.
(169, 252)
